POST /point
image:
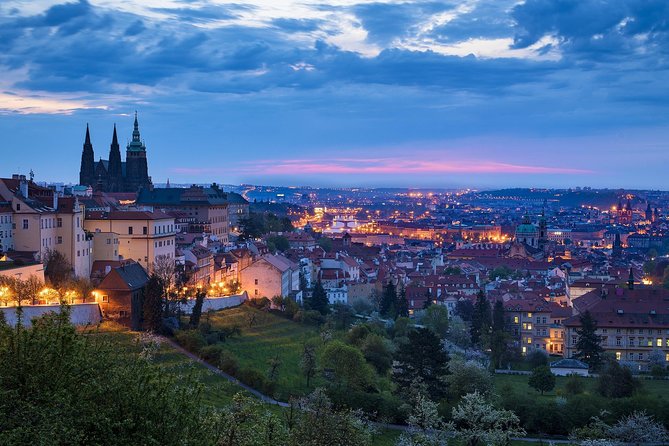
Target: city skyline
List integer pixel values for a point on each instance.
(414, 94)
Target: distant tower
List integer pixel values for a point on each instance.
(649, 213)
(543, 230)
(630, 280)
(137, 170)
(617, 246)
(656, 214)
(87, 170)
(115, 169)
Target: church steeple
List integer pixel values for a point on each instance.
(87, 169)
(115, 167)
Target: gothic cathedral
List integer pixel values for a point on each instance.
(113, 175)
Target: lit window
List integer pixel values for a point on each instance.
(515, 320)
(659, 342)
(529, 340)
(618, 355)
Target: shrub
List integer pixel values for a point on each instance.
(537, 358)
(574, 385)
(228, 363)
(254, 378)
(211, 353)
(262, 304)
(309, 317)
(191, 340)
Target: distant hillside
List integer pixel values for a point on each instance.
(565, 197)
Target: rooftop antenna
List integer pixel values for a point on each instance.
(32, 175)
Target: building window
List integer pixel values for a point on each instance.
(59, 222)
(255, 282)
(529, 340)
(659, 342)
(515, 319)
(25, 223)
(256, 292)
(105, 298)
(529, 314)
(59, 240)
(145, 230)
(18, 206)
(130, 230)
(618, 356)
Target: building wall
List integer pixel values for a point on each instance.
(146, 240)
(530, 330)
(263, 280)
(6, 231)
(105, 246)
(629, 344)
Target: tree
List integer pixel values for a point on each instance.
(436, 320)
(308, 362)
(278, 243)
(422, 357)
(402, 305)
(325, 244)
(342, 316)
(477, 422)
(57, 268)
(165, 269)
(318, 424)
(639, 427)
(377, 352)
(588, 347)
(200, 295)
(426, 427)
(542, 379)
(347, 365)
(499, 337)
(273, 368)
(616, 381)
(319, 299)
(465, 309)
(468, 377)
(60, 386)
(153, 304)
(388, 300)
(481, 319)
(458, 333)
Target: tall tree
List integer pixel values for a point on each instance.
(402, 305)
(200, 295)
(588, 347)
(388, 300)
(153, 304)
(436, 319)
(319, 299)
(422, 357)
(499, 336)
(481, 319)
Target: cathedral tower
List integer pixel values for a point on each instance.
(137, 170)
(87, 169)
(115, 169)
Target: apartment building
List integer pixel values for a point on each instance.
(142, 235)
(631, 322)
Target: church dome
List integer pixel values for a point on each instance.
(527, 228)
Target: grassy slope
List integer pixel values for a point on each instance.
(217, 391)
(270, 336)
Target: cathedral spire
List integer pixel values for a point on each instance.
(135, 131)
(87, 169)
(115, 167)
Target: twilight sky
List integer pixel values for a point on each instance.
(473, 93)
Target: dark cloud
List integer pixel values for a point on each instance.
(595, 29)
(385, 22)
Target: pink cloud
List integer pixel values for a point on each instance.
(378, 166)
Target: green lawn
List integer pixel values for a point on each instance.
(217, 390)
(270, 336)
(656, 388)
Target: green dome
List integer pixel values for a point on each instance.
(527, 229)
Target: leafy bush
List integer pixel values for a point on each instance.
(536, 358)
(254, 378)
(191, 340)
(211, 353)
(574, 385)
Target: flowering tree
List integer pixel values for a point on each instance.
(426, 427)
(639, 428)
(477, 422)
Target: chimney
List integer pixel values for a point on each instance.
(55, 200)
(23, 186)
